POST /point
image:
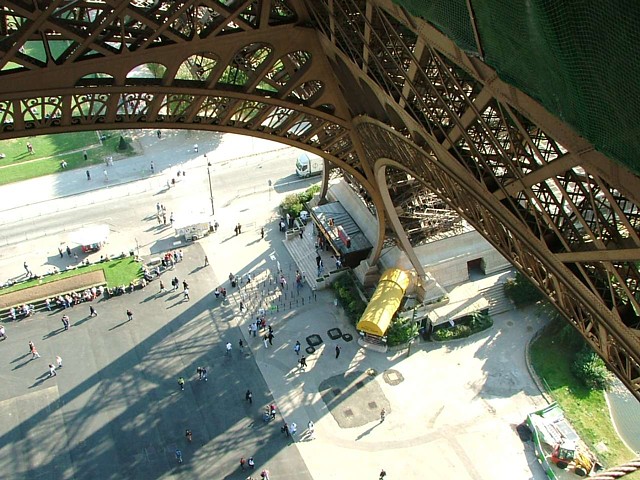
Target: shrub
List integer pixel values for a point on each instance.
(348, 297)
(521, 291)
(401, 332)
(293, 204)
(591, 370)
(464, 327)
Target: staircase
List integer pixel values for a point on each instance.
(303, 253)
(498, 301)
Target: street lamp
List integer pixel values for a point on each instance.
(213, 212)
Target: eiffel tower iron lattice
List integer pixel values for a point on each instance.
(395, 105)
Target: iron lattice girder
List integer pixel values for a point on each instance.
(602, 328)
(548, 197)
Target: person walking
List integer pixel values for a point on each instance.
(382, 474)
(185, 285)
(34, 353)
(265, 339)
(228, 352)
(296, 347)
(92, 311)
(129, 315)
(68, 251)
(311, 428)
(65, 322)
(153, 167)
(243, 464)
(189, 435)
(162, 289)
(338, 350)
(241, 345)
(204, 373)
(303, 363)
(26, 268)
(248, 397)
(270, 337)
(186, 294)
(88, 175)
(181, 383)
(3, 332)
(60, 252)
(262, 232)
(383, 415)
(52, 370)
(206, 261)
(59, 361)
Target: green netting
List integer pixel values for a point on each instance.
(448, 16)
(576, 57)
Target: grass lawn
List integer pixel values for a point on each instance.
(551, 357)
(116, 272)
(50, 150)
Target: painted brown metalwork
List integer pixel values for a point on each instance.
(356, 81)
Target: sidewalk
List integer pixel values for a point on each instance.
(213, 147)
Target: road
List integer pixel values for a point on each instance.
(232, 184)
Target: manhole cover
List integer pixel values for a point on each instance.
(372, 405)
(348, 413)
(393, 377)
(336, 391)
(334, 333)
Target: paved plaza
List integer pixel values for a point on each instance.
(115, 410)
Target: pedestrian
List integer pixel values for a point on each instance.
(106, 176)
(228, 347)
(248, 397)
(26, 268)
(189, 435)
(241, 306)
(195, 147)
(30, 149)
(383, 415)
(303, 363)
(158, 208)
(60, 252)
(296, 347)
(243, 464)
(270, 337)
(59, 361)
(272, 411)
(311, 430)
(206, 261)
(176, 283)
(34, 353)
(235, 229)
(88, 175)
(186, 294)
(293, 428)
(204, 373)
(159, 134)
(65, 322)
(152, 166)
(251, 463)
(92, 311)
(199, 372)
(338, 349)
(181, 383)
(382, 474)
(254, 329)
(85, 155)
(265, 339)
(301, 233)
(261, 232)
(3, 332)
(129, 315)
(241, 345)
(239, 228)
(162, 290)
(159, 218)
(164, 218)
(264, 474)
(31, 346)
(171, 218)
(52, 370)
(185, 285)
(68, 251)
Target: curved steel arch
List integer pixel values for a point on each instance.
(567, 216)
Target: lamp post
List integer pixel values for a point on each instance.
(213, 212)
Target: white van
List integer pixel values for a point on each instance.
(308, 165)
